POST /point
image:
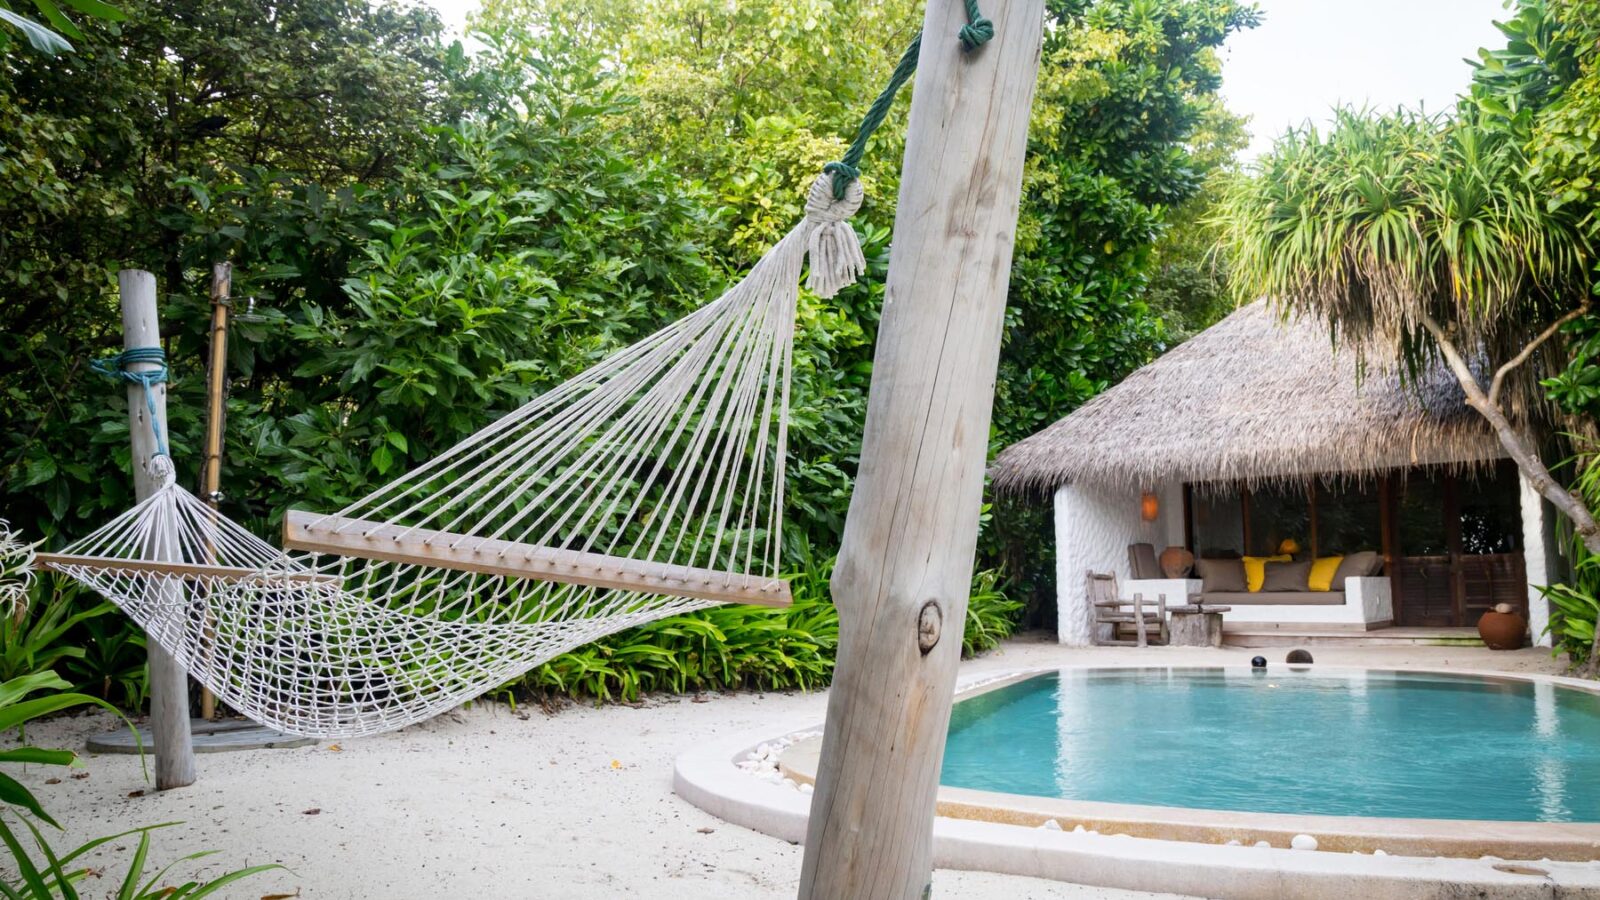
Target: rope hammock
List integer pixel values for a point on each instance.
(649, 485)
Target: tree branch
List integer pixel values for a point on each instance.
(1517, 444)
(1515, 361)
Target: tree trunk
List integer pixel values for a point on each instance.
(1517, 444)
(1522, 450)
(905, 568)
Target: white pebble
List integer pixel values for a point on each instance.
(1233, 844)
(1077, 829)
(1303, 842)
(806, 788)
(1051, 825)
(1263, 844)
(1379, 853)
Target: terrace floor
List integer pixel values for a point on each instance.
(488, 802)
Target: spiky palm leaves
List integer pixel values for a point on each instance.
(1386, 222)
(1419, 238)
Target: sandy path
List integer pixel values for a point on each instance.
(486, 803)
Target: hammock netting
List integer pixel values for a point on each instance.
(649, 485)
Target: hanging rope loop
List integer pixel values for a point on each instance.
(977, 32)
(116, 368)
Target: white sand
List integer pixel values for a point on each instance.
(486, 803)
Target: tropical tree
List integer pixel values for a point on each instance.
(1423, 239)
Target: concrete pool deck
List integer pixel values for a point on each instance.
(491, 803)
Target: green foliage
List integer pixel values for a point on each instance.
(730, 647)
(51, 39)
(35, 638)
(1390, 219)
(45, 873)
(17, 709)
(1575, 603)
(430, 237)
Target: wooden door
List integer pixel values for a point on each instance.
(1456, 546)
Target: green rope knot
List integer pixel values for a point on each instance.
(115, 367)
(978, 30)
(843, 173)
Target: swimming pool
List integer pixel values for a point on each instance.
(1361, 743)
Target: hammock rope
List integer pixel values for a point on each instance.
(648, 485)
(116, 367)
(977, 32)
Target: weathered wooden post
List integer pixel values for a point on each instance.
(169, 685)
(905, 568)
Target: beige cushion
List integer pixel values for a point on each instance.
(1287, 576)
(1273, 598)
(1220, 574)
(1357, 565)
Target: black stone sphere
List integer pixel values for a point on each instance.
(1260, 662)
(1298, 658)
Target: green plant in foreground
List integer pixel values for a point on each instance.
(35, 637)
(1575, 604)
(52, 878)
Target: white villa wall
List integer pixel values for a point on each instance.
(1094, 527)
(1539, 557)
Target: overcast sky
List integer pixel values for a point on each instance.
(1310, 55)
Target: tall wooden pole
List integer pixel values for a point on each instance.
(905, 569)
(169, 686)
(216, 412)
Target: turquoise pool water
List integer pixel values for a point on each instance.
(1385, 744)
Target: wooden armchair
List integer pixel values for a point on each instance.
(1129, 624)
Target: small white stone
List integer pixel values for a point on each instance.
(1051, 825)
(1303, 842)
(1233, 844)
(1379, 853)
(1077, 829)
(1263, 844)
(806, 788)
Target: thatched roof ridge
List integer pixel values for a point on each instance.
(1251, 399)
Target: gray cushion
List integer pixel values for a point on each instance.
(1220, 574)
(1357, 565)
(1273, 598)
(1287, 576)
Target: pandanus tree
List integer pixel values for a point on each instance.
(1425, 239)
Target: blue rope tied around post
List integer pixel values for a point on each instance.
(977, 32)
(116, 368)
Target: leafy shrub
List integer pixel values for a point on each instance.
(51, 878)
(742, 646)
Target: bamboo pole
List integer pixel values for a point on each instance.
(905, 568)
(169, 686)
(216, 395)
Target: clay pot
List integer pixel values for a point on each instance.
(1176, 562)
(1502, 628)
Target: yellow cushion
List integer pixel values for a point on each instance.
(1255, 569)
(1322, 572)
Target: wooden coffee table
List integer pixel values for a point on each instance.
(1195, 625)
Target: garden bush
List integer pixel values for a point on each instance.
(439, 234)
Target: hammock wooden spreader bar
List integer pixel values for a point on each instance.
(65, 562)
(343, 536)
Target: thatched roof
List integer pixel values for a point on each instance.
(1251, 399)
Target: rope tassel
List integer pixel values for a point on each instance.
(835, 250)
